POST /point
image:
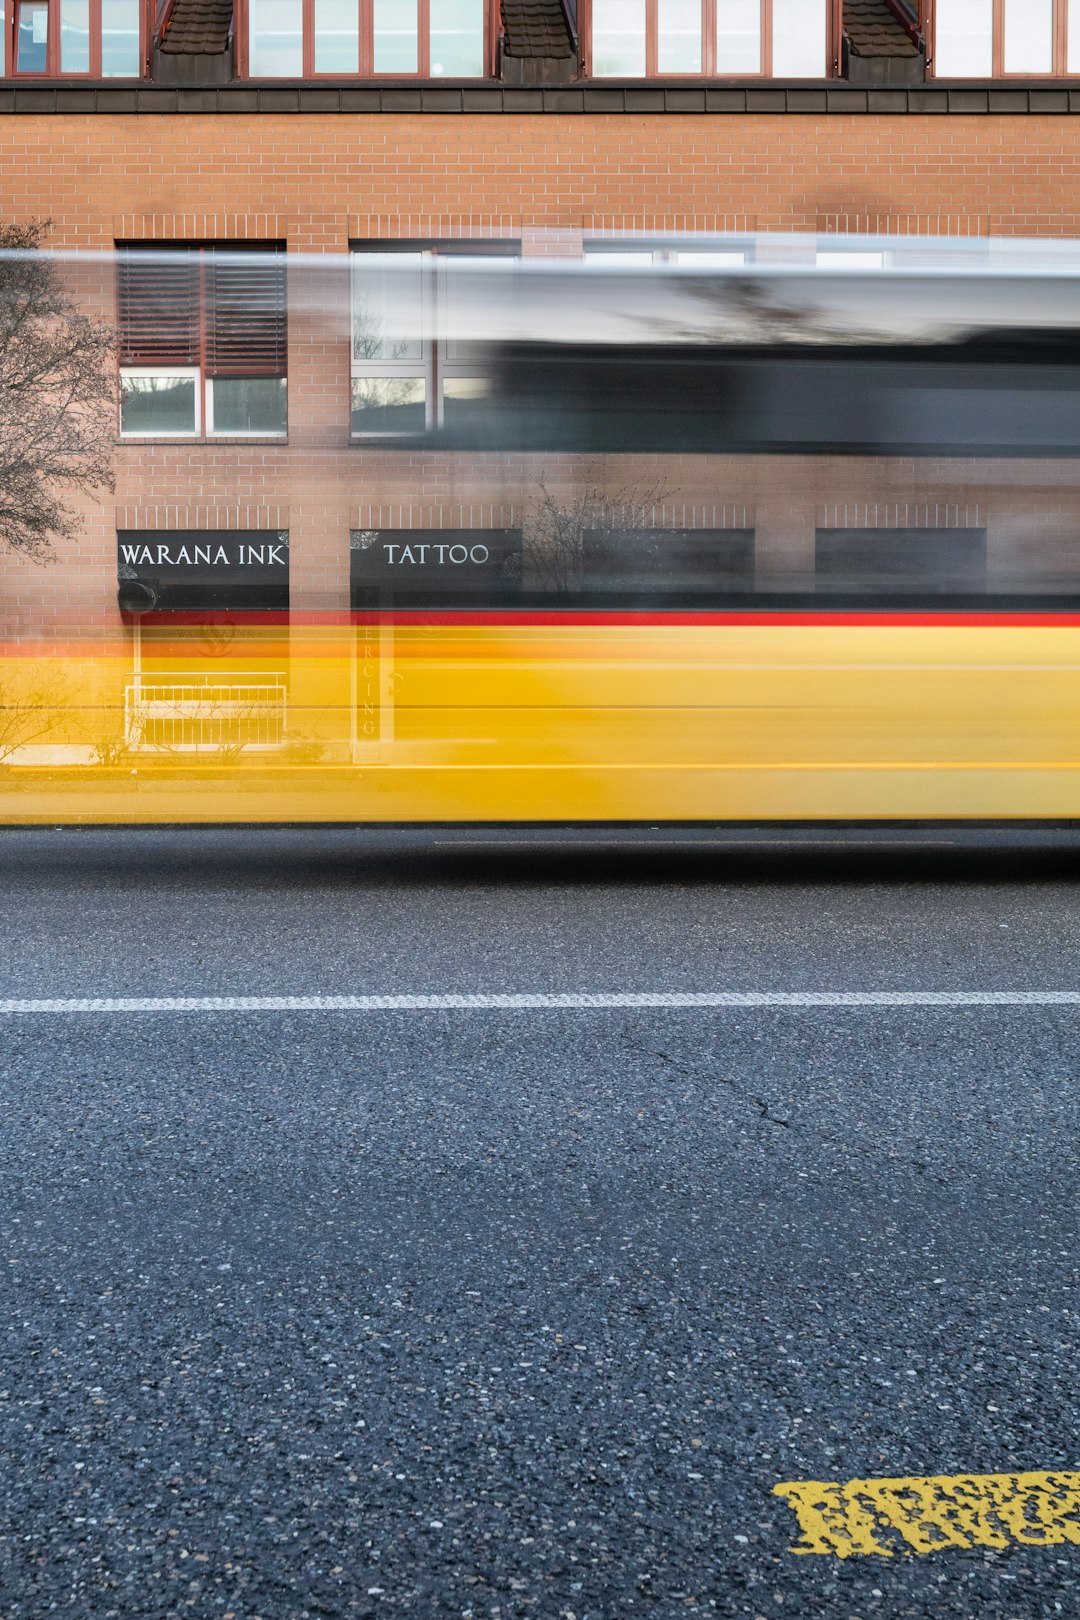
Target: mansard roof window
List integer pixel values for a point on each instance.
(303, 39)
(986, 39)
(94, 39)
(772, 38)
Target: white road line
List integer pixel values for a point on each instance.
(571, 1001)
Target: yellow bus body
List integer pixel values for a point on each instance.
(540, 718)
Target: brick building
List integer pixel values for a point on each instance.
(315, 127)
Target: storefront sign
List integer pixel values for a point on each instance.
(426, 566)
(202, 569)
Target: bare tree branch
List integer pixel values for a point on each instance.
(57, 397)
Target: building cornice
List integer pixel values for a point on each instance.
(967, 99)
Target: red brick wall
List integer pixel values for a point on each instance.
(318, 180)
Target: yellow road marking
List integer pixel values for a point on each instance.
(933, 1512)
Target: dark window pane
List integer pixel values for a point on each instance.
(388, 405)
(157, 404)
(465, 399)
(680, 562)
(883, 562)
(249, 404)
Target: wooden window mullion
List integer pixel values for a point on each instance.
(766, 38)
(95, 36)
(998, 62)
(367, 37)
(307, 39)
(423, 43)
(492, 12)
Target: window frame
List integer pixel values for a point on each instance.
(9, 68)
(709, 67)
(435, 364)
(1060, 46)
(204, 431)
(366, 68)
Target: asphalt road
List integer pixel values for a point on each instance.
(501, 1314)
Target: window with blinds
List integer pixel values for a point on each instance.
(203, 341)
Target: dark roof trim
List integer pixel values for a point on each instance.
(1047, 97)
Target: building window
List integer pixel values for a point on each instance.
(778, 38)
(302, 39)
(418, 351)
(98, 39)
(995, 38)
(904, 563)
(613, 255)
(202, 341)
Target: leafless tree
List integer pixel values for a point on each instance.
(558, 527)
(57, 396)
(32, 702)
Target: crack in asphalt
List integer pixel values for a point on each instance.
(698, 1077)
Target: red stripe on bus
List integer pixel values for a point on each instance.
(614, 616)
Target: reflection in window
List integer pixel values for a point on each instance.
(248, 405)
(738, 36)
(457, 39)
(120, 38)
(75, 36)
(618, 38)
(337, 36)
(1029, 36)
(294, 38)
(388, 306)
(32, 36)
(161, 401)
(800, 39)
(276, 39)
(99, 38)
(388, 405)
(964, 38)
(397, 38)
(421, 335)
(679, 36)
(641, 37)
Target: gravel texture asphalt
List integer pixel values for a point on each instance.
(496, 1315)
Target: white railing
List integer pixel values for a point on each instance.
(192, 713)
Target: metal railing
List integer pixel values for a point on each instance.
(189, 713)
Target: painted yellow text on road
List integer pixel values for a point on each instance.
(935, 1512)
